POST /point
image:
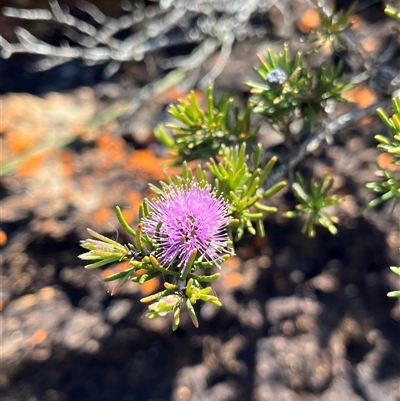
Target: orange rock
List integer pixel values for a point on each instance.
(355, 22)
(366, 120)
(146, 162)
(18, 141)
(232, 263)
(68, 163)
(140, 272)
(309, 21)
(172, 95)
(233, 279)
(102, 215)
(129, 214)
(3, 238)
(370, 44)
(385, 161)
(119, 267)
(150, 286)
(135, 199)
(361, 95)
(30, 166)
(39, 336)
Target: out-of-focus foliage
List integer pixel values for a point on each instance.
(394, 13)
(394, 294)
(242, 185)
(332, 25)
(201, 132)
(312, 201)
(291, 91)
(389, 187)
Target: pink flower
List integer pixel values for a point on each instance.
(185, 218)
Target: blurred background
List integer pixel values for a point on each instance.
(302, 318)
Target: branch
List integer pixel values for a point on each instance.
(325, 132)
(153, 27)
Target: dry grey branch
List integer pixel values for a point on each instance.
(324, 133)
(151, 28)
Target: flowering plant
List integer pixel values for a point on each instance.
(183, 232)
(190, 225)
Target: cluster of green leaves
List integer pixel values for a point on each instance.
(171, 299)
(392, 146)
(312, 202)
(393, 124)
(200, 133)
(332, 25)
(389, 187)
(291, 91)
(393, 13)
(242, 186)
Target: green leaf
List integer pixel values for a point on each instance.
(395, 270)
(192, 312)
(312, 202)
(102, 263)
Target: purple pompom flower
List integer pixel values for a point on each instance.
(186, 217)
